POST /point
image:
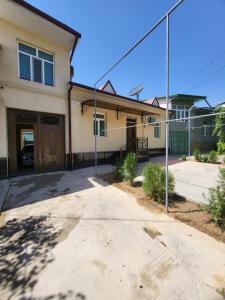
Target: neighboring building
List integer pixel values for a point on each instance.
(201, 128)
(41, 109)
(222, 104)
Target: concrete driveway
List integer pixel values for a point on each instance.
(192, 179)
(72, 236)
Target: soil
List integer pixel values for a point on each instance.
(180, 208)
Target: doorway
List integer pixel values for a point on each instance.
(131, 134)
(36, 141)
(25, 145)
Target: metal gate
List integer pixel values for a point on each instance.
(178, 142)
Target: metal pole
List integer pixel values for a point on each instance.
(189, 134)
(189, 131)
(95, 133)
(167, 104)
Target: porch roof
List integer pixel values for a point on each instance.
(116, 102)
(117, 108)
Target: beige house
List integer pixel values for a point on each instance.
(46, 121)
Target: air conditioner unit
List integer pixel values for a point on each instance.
(150, 120)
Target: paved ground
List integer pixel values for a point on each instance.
(83, 239)
(192, 179)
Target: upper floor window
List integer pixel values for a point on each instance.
(35, 64)
(181, 112)
(99, 126)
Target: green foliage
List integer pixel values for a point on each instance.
(216, 205)
(220, 130)
(197, 154)
(213, 157)
(154, 182)
(129, 167)
(204, 158)
(184, 157)
(118, 171)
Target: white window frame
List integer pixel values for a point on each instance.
(181, 112)
(98, 124)
(31, 62)
(207, 131)
(157, 125)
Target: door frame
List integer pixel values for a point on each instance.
(11, 136)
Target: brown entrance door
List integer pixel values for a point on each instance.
(131, 134)
(50, 154)
(49, 139)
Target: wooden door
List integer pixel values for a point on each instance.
(131, 135)
(50, 144)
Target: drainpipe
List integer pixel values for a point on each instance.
(70, 128)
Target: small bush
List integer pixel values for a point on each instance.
(129, 167)
(154, 182)
(197, 154)
(184, 157)
(213, 157)
(221, 147)
(204, 158)
(118, 171)
(216, 205)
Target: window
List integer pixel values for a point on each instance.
(157, 130)
(181, 112)
(207, 128)
(100, 125)
(35, 65)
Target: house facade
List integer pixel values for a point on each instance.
(47, 121)
(35, 56)
(201, 132)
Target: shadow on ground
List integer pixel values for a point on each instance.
(27, 190)
(25, 247)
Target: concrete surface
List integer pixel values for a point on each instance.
(192, 179)
(4, 187)
(84, 239)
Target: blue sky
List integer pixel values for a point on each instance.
(109, 28)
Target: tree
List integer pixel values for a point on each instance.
(220, 130)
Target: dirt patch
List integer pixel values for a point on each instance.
(102, 266)
(68, 226)
(163, 270)
(181, 209)
(152, 232)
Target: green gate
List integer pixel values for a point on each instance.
(178, 142)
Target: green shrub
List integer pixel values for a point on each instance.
(129, 167)
(118, 171)
(204, 158)
(216, 205)
(184, 157)
(221, 147)
(197, 154)
(154, 182)
(213, 157)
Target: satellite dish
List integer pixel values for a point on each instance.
(136, 91)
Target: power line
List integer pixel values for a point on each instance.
(206, 79)
(202, 69)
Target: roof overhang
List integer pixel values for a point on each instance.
(111, 101)
(29, 18)
(117, 107)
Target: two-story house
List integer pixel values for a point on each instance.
(201, 133)
(35, 55)
(47, 122)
